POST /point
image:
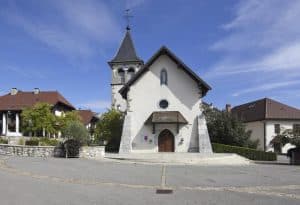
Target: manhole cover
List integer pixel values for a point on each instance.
(164, 191)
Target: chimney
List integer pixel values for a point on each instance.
(36, 91)
(13, 91)
(228, 108)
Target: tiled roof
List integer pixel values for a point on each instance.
(265, 109)
(86, 116)
(22, 100)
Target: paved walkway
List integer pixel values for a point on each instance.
(78, 181)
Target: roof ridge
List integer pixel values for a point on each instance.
(254, 101)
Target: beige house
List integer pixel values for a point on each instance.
(266, 118)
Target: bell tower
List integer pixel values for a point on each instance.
(124, 66)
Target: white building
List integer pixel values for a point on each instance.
(266, 118)
(162, 100)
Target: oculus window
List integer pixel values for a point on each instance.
(163, 104)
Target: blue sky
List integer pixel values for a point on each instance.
(244, 49)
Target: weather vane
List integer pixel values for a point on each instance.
(127, 17)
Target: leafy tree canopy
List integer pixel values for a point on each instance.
(68, 117)
(37, 118)
(223, 128)
(109, 128)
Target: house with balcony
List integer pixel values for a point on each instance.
(13, 103)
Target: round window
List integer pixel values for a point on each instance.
(163, 104)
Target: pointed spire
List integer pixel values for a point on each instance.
(126, 52)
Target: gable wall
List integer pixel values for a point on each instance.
(257, 132)
(182, 94)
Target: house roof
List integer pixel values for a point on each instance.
(164, 51)
(126, 52)
(22, 100)
(265, 109)
(87, 116)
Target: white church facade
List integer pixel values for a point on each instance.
(162, 102)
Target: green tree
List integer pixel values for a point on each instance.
(37, 119)
(77, 131)
(287, 136)
(223, 128)
(109, 128)
(66, 118)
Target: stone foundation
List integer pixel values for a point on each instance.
(26, 151)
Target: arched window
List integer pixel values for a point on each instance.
(163, 77)
(130, 72)
(121, 74)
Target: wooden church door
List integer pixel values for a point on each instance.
(166, 141)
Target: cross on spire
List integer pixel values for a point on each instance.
(127, 17)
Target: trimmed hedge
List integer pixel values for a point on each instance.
(45, 141)
(245, 152)
(32, 142)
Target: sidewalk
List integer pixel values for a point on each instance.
(281, 160)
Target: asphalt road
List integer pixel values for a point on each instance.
(77, 181)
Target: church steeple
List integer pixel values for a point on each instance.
(124, 66)
(126, 52)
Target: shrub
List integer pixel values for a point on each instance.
(109, 129)
(245, 152)
(32, 142)
(3, 141)
(72, 147)
(224, 128)
(77, 131)
(48, 141)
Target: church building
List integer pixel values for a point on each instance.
(162, 102)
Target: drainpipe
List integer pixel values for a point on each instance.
(264, 136)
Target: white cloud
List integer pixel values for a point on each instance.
(24, 73)
(286, 59)
(261, 45)
(267, 86)
(96, 105)
(92, 18)
(73, 32)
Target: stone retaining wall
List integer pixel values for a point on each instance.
(93, 152)
(26, 151)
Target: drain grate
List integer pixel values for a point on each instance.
(164, 191)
